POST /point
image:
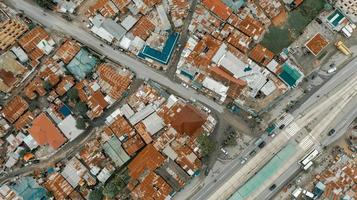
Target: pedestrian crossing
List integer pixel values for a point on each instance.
(287, 119)
(291, 130)
(307, 142)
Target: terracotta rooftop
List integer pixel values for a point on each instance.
(10, 30)
(144, 134)
(218, 8)
(104, 7)
(316, 44)
(66, 83)
(239, 40)
(67, 51)
(30, 40)
(188, 120)
(120, 126)
(187, 159)
(44, 131)
(204, 51)
(132, 145)
(35, 86)
(143, 28)
(151, 3)
(251, 27)
(152, 187)
(148, 159)
(58, 186)
(261, 55)
(113, 83)
(24, 120)
(14, 109)
(121, 4)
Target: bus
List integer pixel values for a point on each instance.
(308, 165)
(309, 157)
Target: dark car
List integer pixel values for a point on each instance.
(261, 145)
(282, 126)
(272, 187)
(331, 132)
(318, 20)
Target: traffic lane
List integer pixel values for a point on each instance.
(285, 178)
(234, 166)
(337, 79)
(141, 70)
(341, 126)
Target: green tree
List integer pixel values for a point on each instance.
(72, 94)
(44, 3)
(96, 194)
(111, 189)
(81, 108)
(206, 145)
(47, 85)
(81, 123)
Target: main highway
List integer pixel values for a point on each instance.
(317, 106)
(323, 107)
(76, 30)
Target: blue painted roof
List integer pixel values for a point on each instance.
(64, 110)
(163, 56)
(29, 189)
(82, 64)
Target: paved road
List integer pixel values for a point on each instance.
(340, 124)
(74, 30)
(233, 168)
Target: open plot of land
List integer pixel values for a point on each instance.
(280, 37)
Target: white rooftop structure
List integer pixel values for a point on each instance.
(125, 43)
(127, 111)
(142, 114)
(20, 54)
(30, 142)
(163, 17)
(46, 46)
(104, 175)
(169, 152)
(153, 123)
(69, 129)
(129, 22)
(216, 87)
(171, 101)
(106, 28)
(268, 88)
(74, 171)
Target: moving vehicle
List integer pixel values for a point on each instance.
(331, 132)
(272, 187)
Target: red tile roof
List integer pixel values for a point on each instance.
(30, 40)
(218, 8)
(113, 83)
(251, 27)
(68, 50)
(14, 109)
(58, 185)
(189, 120)
(148, 159)
(261, 55)
(45, 132)
(316, 44)
(152, 187)
(143, 28)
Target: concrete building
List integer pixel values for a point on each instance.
(349, 8)
(107, 29)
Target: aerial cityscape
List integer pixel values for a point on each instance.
(178, 99)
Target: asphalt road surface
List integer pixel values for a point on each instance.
(233, 168)
(75, 30)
